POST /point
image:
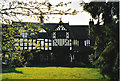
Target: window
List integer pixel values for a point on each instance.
(50, 48)
(21, 48)
(76, 42)
(46, 44)
(53, 43)
(30, 44)
(25, 44)
(42, 43)
(38, 43)
(70, 48)
(87, 42)
(46, 40)
(42, 47)
(67, 34)
(30, 40)
(17, 44)
(70, 44)
(49, 40)
(46, 48)
(25, 47)
(21, 44)
(24, 34)
(50, 44)
(34, 40)
(25, 40)
(34, 47)
(38, 47)
(16, 40)
(30, 47)
(21, 40)
(54, 34)
(34, 44)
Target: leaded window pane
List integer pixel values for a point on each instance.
(38, 43)
(42, 43)
(17, 44)
(25, 47)
(38, 47)
(34, 44)
(50, 48)
(46, 48)
(30, 40)
(30, 47)
(50, 44)
(21, 48)
(46, 40)
(42, 48)
(34, 47)
(25, 44)
(50, 40)
(16, 40)
(30, 44)
(70, 48)
(34, 40)
(25, 40)
(21, 44)
(21, 40)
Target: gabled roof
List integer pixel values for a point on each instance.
(77, 31)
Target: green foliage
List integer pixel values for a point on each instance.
(9, 32)
(107, 10)
(106, 37)
(18, 61)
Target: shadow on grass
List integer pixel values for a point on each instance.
(61, 66)
(10, 70)
(67, 66)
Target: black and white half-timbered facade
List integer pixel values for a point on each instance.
(65, 42)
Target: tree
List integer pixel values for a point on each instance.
(106, 36)
(11, 11)
(35, 8)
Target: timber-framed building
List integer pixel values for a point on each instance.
(59, 42)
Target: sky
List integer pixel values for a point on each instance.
(82, 18)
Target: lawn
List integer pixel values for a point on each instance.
(51, 73)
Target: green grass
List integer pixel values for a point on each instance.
(51, 73)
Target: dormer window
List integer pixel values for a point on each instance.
(24, 34)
